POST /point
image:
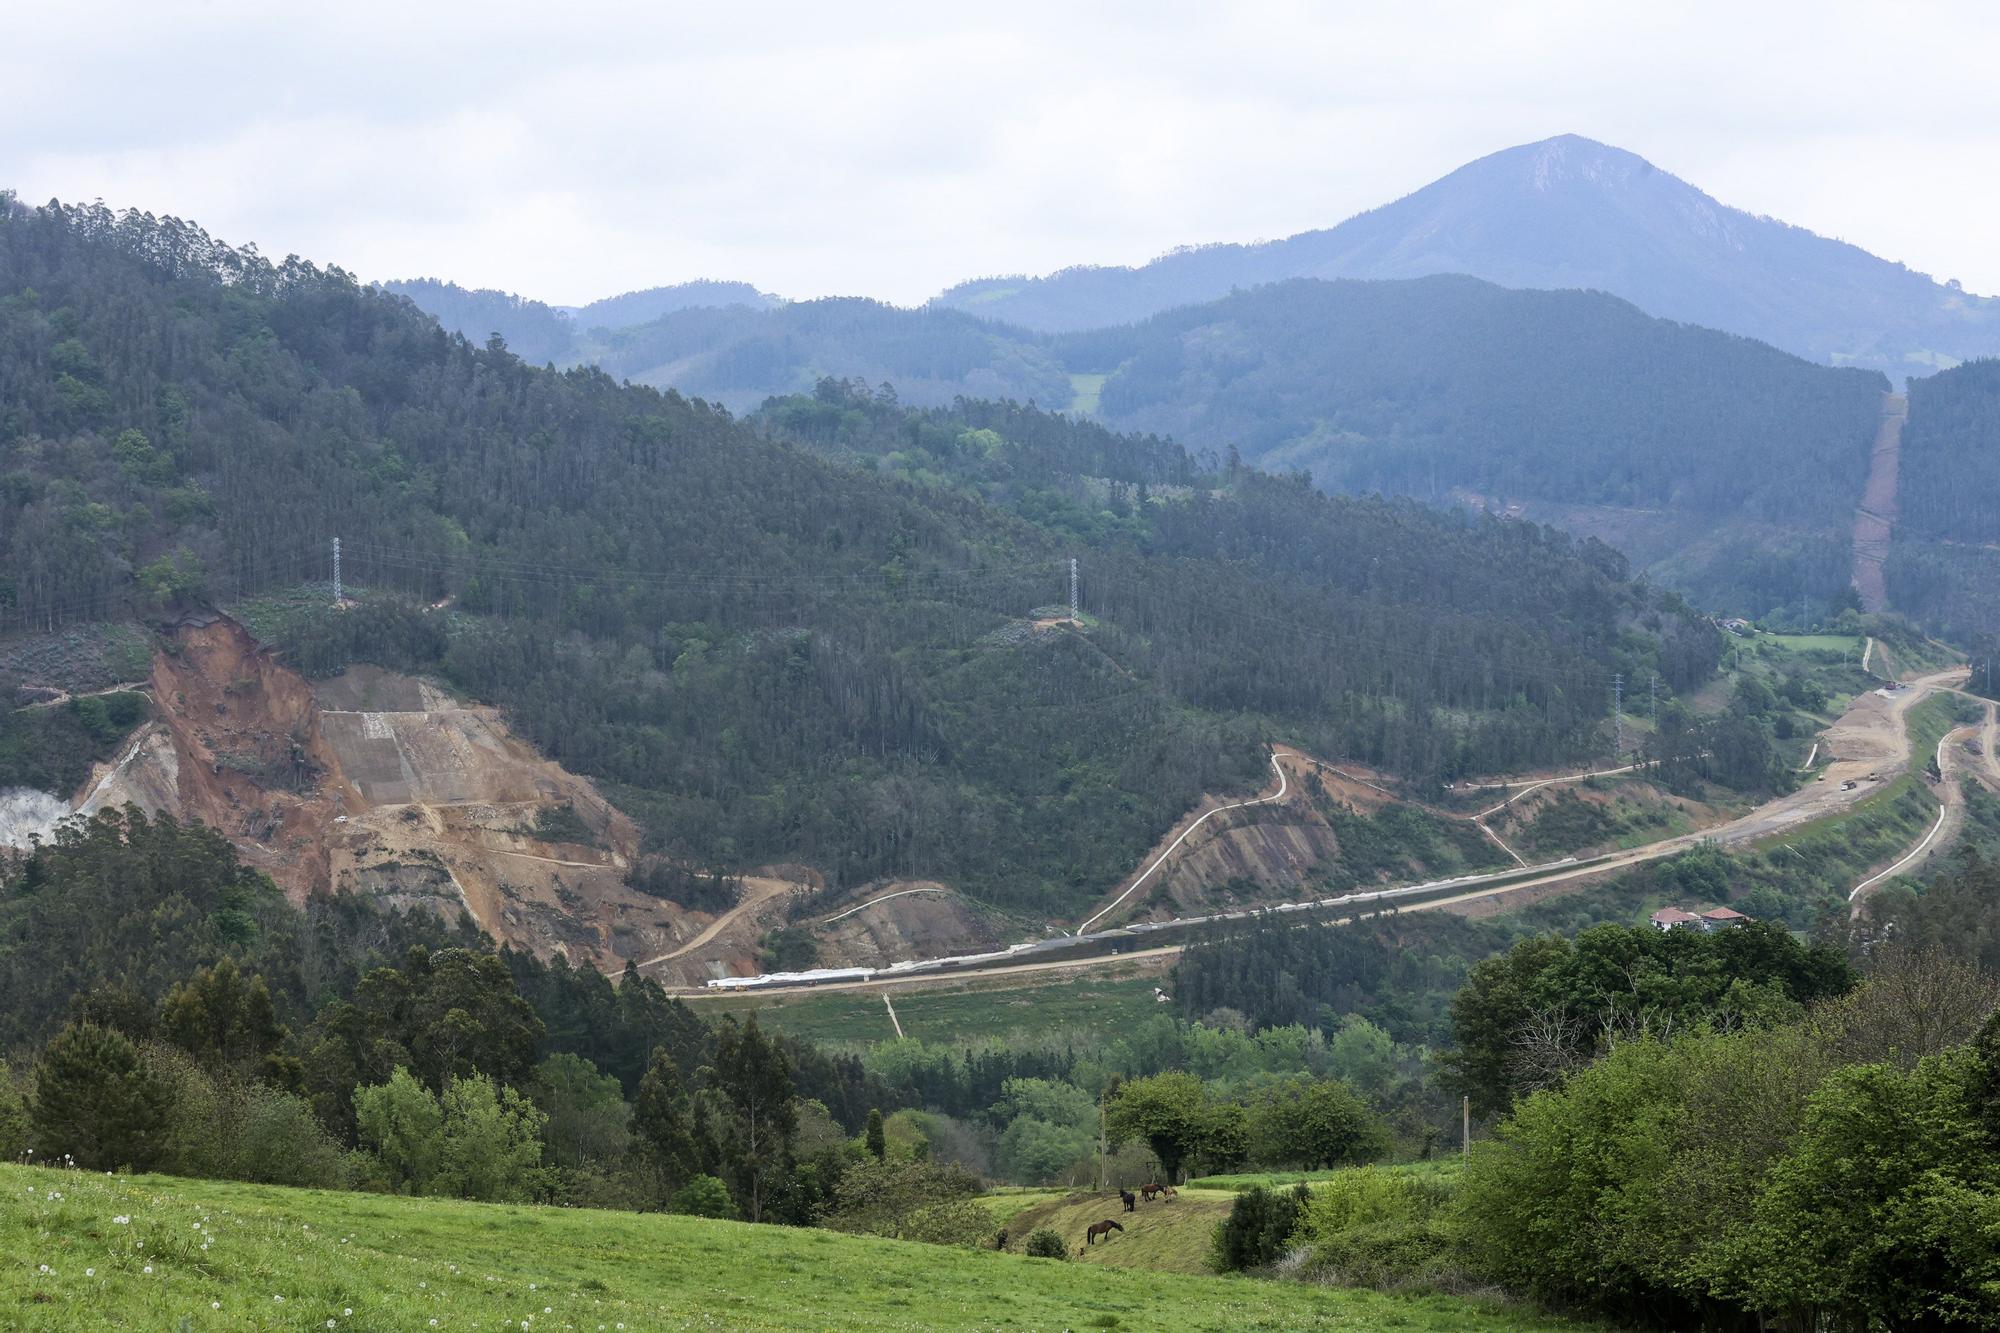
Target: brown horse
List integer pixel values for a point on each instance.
(1126, 1196)
(1147, 1192)
(1096, 1229)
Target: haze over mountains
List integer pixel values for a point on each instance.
(1566, 212)
(1474, 343)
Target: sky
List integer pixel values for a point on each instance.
(573, 151)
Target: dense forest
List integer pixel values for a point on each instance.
(1950, 461)
(546, 334)
(1724, 465)
(738, 356)
(1428, 386)
(1943, 569)
(769, 652)
(341, 1046)
(537, 333)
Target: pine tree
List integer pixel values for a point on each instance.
(663, 1120)
(878, 1142)
(95, 1100)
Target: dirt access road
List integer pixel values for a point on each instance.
(1869, 742)
(1875, 518)
(1951, 760)
(756, 892)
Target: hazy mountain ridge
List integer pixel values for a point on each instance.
(738, 357)
(1566, 212)
(539, 332)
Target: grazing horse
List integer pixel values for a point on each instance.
(1096, 1229)
(1148, 1192)
(1130, 1202)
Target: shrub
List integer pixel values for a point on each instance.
(15, 1135)
(1259, 1227)
(1373, 1227)
(911, 1200)
(705, 1196)
(281, 1142)
(1047, 1244)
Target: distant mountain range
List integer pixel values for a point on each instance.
(1546, 331)
(1566, 212)
(541, 332)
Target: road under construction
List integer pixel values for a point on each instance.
(1869, 745)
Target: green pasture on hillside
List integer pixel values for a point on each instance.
(153, 1252)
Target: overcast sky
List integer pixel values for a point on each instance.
(571, 151)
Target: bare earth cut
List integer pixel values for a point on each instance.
(1876, 516)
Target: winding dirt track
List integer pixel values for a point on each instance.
(1870, 744)
(1284, 782)
(756, 892)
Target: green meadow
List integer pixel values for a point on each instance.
(154, 1252)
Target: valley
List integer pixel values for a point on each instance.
(1404, 749)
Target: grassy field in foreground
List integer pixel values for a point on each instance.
(150, 1252)
(1041, 1005)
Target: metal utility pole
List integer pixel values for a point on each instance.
(1101, 1145)
(336, 571)
(1618, 705)
(1465, 1141)
(1072, 591)
(1653, 699)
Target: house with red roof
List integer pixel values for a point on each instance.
(1673, 918)
(1715, 918)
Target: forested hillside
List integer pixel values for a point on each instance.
(537, 333)
(541, 333)
(738, 356)
(1440, 384)
(771, 655)
(1565, 213)
(1721, 465)
(643, 307)
(1943, 568)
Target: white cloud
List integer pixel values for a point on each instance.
(572, 152)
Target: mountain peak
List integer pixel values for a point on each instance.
(1565, 212)
(1550, 163)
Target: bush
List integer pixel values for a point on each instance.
(1391, 1256)
(1374, 1227)
(1259, 1228)
(705, 1196)
(1047, 1244)
(15, 1134)
(281, 1142)
(911, 1200)
(1369, 1195)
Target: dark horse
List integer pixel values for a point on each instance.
(1165, 1191)
(1096, 1229)
(1130, 1202)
